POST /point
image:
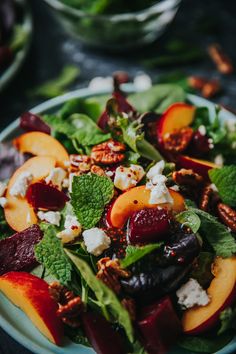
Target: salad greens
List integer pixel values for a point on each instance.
(144, 253)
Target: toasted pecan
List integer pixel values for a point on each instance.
(108, 153)
(227, 215)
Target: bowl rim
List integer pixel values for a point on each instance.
(159, 6)
(20, 55)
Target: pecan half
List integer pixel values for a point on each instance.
(108, 153)
(227, 215)
(185, 177)
(178, 140)
(205, 199)
(97, 170)
(110, 271)
(70, 305)
(207, 87)
(80, 163)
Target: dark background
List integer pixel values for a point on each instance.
(200, 22)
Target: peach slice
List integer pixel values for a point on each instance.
(199, 166)
(18, 213)
(41, 144)
(31, 294)
(178, 115)
(222, 292)
(136, 199)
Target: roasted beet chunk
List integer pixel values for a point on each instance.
(44, 196)
(148, 225)
(159, 326)
(17, 251)
(31, 122)
(103, 338)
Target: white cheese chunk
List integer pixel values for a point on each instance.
(202, 129)
(52, 217)
(128, 177)
(20, 186)
(3, 188)
(71, 176)
(156, 183)
(56, 177)
(157, 169)
(72, 229)
(3, 202)
(192, 294)
(96, 241)
(219, 160)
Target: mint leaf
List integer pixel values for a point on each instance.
(104, 295)
(205, 344)
(134, 254)
(90, 194)
(189, 219)
(227, 319)
(50, 253)
(217, 235)
(225, 180)
(57, 86)
(158, 98)
(202, 271)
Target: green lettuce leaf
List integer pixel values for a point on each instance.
(134, 254)
(106, 297)
(189, 219)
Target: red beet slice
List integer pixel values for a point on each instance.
(148, 225)
(17, 251)
(159, 326)
(31, 122)
(44, 196)
(103, 338)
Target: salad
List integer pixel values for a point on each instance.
(118, 231)
(13, 35)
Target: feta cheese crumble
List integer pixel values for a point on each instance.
(96, 241)
(219, 160)
(128, 177)
(3, 188)
(202, 129)
(156, 183)
(20, 186)
(3, 202)
(52, 217)
(192, 294)
(72, 229)
(56, 177)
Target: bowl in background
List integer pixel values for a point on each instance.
(118, 32)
